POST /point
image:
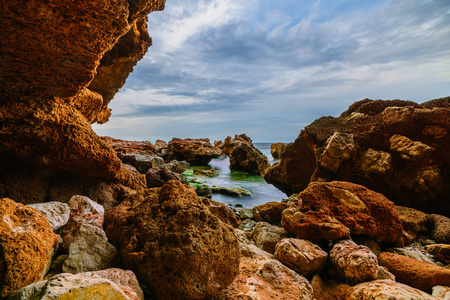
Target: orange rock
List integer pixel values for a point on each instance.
(421, 275)
(333, 210)
(27, 243)
(269, 212)
(194, 151)
(173, 243)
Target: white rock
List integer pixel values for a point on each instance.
(90, 251)
(84, 204)
(57, 213)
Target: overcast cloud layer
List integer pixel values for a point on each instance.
(269, 68)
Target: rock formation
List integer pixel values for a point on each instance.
(397, 148)
(60, 65)
(173, 243)
(243, 155)
(277, 149)
(334, 210)
(194, 151)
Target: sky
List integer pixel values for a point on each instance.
(270, 68)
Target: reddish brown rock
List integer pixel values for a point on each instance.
(277, 149)
(223, 212)
(173, 243)
(27, 244)
(243, 155)
(421, 275)
(125, 146)
(413, 222)
(194, 151)
(269, 212)
(335, 209)
(440, 228)
(52, 54)
(441, 251)
(401, 150)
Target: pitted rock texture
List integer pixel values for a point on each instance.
(302, 256)
(333, 210)
(173, 243)
(27, 243)
(399, 149)
(72, 286)
(413, 222)
(356, 262)
(418, 274)
(262, 277)
(194, 151)
(244, 156)
(52, 52)
(267, 236)
(269, 212)
(277, 149)
(56, 213)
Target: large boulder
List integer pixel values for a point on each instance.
(61, 63)
(56, 213)
(27, 244)
(418, 274)
(397, 148)
(333, 210)
(173, 243)
(267, 236)
(244, 156)
(194, 151)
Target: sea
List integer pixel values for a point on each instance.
(261, 191)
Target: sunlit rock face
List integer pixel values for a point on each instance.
(61, 62)
(394, 147)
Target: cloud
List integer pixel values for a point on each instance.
(270, 68)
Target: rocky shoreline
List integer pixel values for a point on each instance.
(89, 217)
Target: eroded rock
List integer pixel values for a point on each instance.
(266, 236)
(173, 243)
(269, 212)
(194, 151)
(27, 244)
(301, 256)
(56, 213)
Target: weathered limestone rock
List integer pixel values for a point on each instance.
(120, 277)
(142, 161)
(441, 251)
(385, 289)
(266, 236)
(27, 244)
(421, 275)
(243, 155)
(246, 213)
(56, 213)
(90, 251)
(277, 149)
(418, 132)
(440, 228)
(415, 251)
(194, 151)
(159, 176)
(232, 192)
(375, 162)
(71, 286)
(339, 147)
(173, 243)
(413, 222)
(247, 225)
(409, 149)
(223, 212)
(301, 256)
(269, 212)
(441, 292)
(356, 262)
(82, 204)
(262, 277)
(394, 114)
(332, 210)
(206, 173)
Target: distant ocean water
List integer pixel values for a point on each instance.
(262, 192)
